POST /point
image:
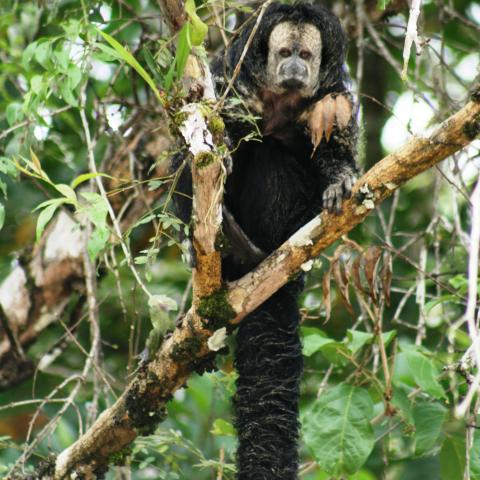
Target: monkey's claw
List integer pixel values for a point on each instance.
(334, 195)
(327, 112)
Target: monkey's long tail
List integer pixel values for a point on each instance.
(270, 364)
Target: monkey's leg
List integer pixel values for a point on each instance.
(270, 364)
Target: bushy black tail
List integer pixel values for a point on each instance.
(270, 364)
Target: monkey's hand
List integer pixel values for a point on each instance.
(333, 109)
(335, 193)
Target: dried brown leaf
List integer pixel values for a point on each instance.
(326, 294)
(386, 276)
(372, 256)
(342, 281)
(328, 115)
(354, 272)
(343, 111)
(315, 123)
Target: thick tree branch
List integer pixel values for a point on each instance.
(137, 411)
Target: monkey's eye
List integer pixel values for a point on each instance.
(305, 55)
(285, 52)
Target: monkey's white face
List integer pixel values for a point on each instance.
(294, 57)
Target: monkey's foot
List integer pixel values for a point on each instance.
(333, 109)
(334, 195)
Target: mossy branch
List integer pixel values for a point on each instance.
(187, 350)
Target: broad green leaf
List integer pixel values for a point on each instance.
(452, 458)
(428, 419)
(337, 429)
(130, 59)
(356, 340)
(424, 372)
(222, 427)
(313, 340)
(45, 216)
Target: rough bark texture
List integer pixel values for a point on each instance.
(140, 407)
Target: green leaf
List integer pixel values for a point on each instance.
(27, 55)
(151, 63)
(475, 457)
(2, 215)
(183, 50)
(313, 340)
(130, 59)
(158, 306)
(428, 420)
(222, 427)
(67, 192)
(36, 84)
(97, 209)
(198, 29)
(452, 458)
(424, 372)
(97, 241)
(42, 53)
(74, 75)
(337, 429)
(443, 299)
(403, 404)
(45, 216)
(14, 113)
(85, 177)
(67, 94)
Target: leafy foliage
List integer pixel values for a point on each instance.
(383, 374)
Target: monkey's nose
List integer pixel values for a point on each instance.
(293, 74)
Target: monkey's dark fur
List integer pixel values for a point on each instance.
(276, 185)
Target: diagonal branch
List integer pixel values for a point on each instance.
(142, 404)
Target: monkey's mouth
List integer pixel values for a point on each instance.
(292, 84)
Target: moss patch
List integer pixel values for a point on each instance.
(216, 309)
(146, 411)
(203, 159)
(188, 349)
(119, 458)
